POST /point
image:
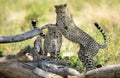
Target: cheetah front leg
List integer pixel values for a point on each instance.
(48, 25)
(58, 45)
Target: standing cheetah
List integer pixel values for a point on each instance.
(88, 46)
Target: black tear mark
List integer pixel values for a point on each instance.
(56, 24)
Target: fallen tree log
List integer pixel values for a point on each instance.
(112, 71)
(105, 72)
(27, 62)
(20, 70)
(14, 66)
(14, 69)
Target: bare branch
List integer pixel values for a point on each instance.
(20, 37)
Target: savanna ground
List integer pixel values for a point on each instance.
(16, 15)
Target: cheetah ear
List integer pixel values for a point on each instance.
(65, 5)
(55, 6)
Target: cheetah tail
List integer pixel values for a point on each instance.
(104, 35)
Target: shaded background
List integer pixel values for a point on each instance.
(16, 15)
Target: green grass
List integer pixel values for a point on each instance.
(15, 17)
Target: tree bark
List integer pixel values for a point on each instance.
(14, 66)
(112, 71)
(21, 65)
(20, 37)
(105, 72)
(14, 69)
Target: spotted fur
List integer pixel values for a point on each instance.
(88, 46)
(52, 41)
(38, 45)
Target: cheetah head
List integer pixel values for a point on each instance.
(60, 8)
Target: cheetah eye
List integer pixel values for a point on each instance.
(65, 5)
(66, 27)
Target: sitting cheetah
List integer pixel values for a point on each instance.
(52, 41)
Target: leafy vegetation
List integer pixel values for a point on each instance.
(15, 17)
